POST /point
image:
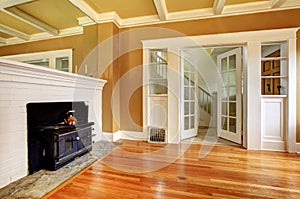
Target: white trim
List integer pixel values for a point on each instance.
(13, 32)
(298, 147)
(223, 39)
(273, 145)
(23, 16)
(50, 56)
(133, 135)
(253, 41)
(10, 3)
(111, 137)
(252, 7)
(161, 8)
(292, 95)
(110, 17)
(85, 21)
(85, 8)
(230, 10)
(2, 40)
(121, 134)
(44, 36)
(31, 74)
(218, 6)
(277, 3)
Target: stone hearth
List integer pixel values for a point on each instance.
(43, 181)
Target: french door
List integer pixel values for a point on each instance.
(229, 98)
(189, 105)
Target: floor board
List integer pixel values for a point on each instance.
(142, 170)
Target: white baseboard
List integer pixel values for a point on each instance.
(273, 145)
(134, 135)
(298, 147)
(121, 134)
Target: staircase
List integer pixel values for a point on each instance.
(207, 110)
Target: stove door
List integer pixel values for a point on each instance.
(85, 140)
(67, 144)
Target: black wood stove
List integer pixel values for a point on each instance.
(53, 140)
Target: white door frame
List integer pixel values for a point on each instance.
(252, 71)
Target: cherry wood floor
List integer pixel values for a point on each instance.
(142, 170)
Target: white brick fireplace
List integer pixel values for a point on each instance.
(23, 83)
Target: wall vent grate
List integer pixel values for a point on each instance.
(157, 135)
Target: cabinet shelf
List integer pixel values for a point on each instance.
(272, 77)
(273, 58)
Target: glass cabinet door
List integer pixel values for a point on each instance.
(158, 72)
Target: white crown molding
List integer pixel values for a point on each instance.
(191, 14)
(247, 7)
(140, 21)
(110, 17)
(85, 8)
(85, 21)
(291, 3)
(44, 36)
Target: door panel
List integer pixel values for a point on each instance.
(188, 108)
(229, 100)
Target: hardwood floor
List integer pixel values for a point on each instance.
(141, 170)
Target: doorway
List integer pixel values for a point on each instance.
(212, 94)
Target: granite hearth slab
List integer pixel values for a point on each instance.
(40, 183)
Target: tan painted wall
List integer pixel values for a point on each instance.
(109, 50)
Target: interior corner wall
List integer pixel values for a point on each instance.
(108, 67)
(82, 46)
(240, 23)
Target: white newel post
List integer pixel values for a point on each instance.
(23, 83)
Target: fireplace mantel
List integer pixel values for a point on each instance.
(22, 83)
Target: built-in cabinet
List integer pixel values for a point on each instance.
(156, 85)
(274, 84)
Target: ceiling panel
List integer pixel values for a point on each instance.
(124, 8)
(180, 5)
(5, 36)
(57, 13)
(233, 2)
(17, 24)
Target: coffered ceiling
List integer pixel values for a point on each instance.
(30, 20)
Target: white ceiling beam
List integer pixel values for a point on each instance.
(161, 8)
(277, 3)
(10, 3)
(23, 16)
(13, 32)
(2, 40)
(218, 6)
(86, 9)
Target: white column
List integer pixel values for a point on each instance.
(253, 96)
